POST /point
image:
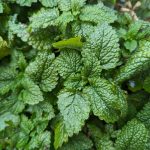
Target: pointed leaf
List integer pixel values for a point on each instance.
(43, 71)
(133, 136)
(103, 44)
(107, 101)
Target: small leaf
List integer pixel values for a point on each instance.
(131, 45)
(74, 43)
(4, 49)
(7, 79)
(83, 29)
(78, 142)
(146, 85)
(7, 119)
(61, 134)
(49, 3)
(31, 94)
(68, 62)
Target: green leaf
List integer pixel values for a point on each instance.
(75, 5)
(18, 60)
(7, 79)
(105, 143)
(133, 136)
(102, 140)
(43, 38)
(97, 14)
(140, 60)
(82, 29)
(49, 3)
(78, 142)
(64, 5)
(63, 20)
(31, 94)
(1, 7)
(40, 141)
(146, 85)
(40, 39)
(43, 72)
(22, 140)
(103, 44)
(133, 30)
(75, 82)
(75, 109)
(130, 45)
(107, 101)
(61, 134)
(92, 67)
(43, 111)
(43, 18)
(144, 115)
(20, 30)
(24, 2)
(68, 62)
(4, 49)
(11, 103)
(26, 124)
(8, 119)
(74, 43)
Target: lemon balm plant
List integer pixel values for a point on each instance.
(74, 75)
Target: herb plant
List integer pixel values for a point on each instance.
(74, 75)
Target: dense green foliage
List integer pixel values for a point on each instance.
(74, 75)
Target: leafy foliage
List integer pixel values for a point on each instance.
(74, 75)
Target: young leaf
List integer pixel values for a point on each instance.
(49, 3)
(31, 94)
(7, 79)
(68, 62)
(43, 111)
(26, 124)
(6, 118)
(40, 141)
(74, 43)
(61, 134)
(146, 85)
(83, 29)
(24, 2)
(63, 20)
(1, 7)
(74, 5)
(92, 67)
(78, 142)
(4, 48)
(64, 5)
